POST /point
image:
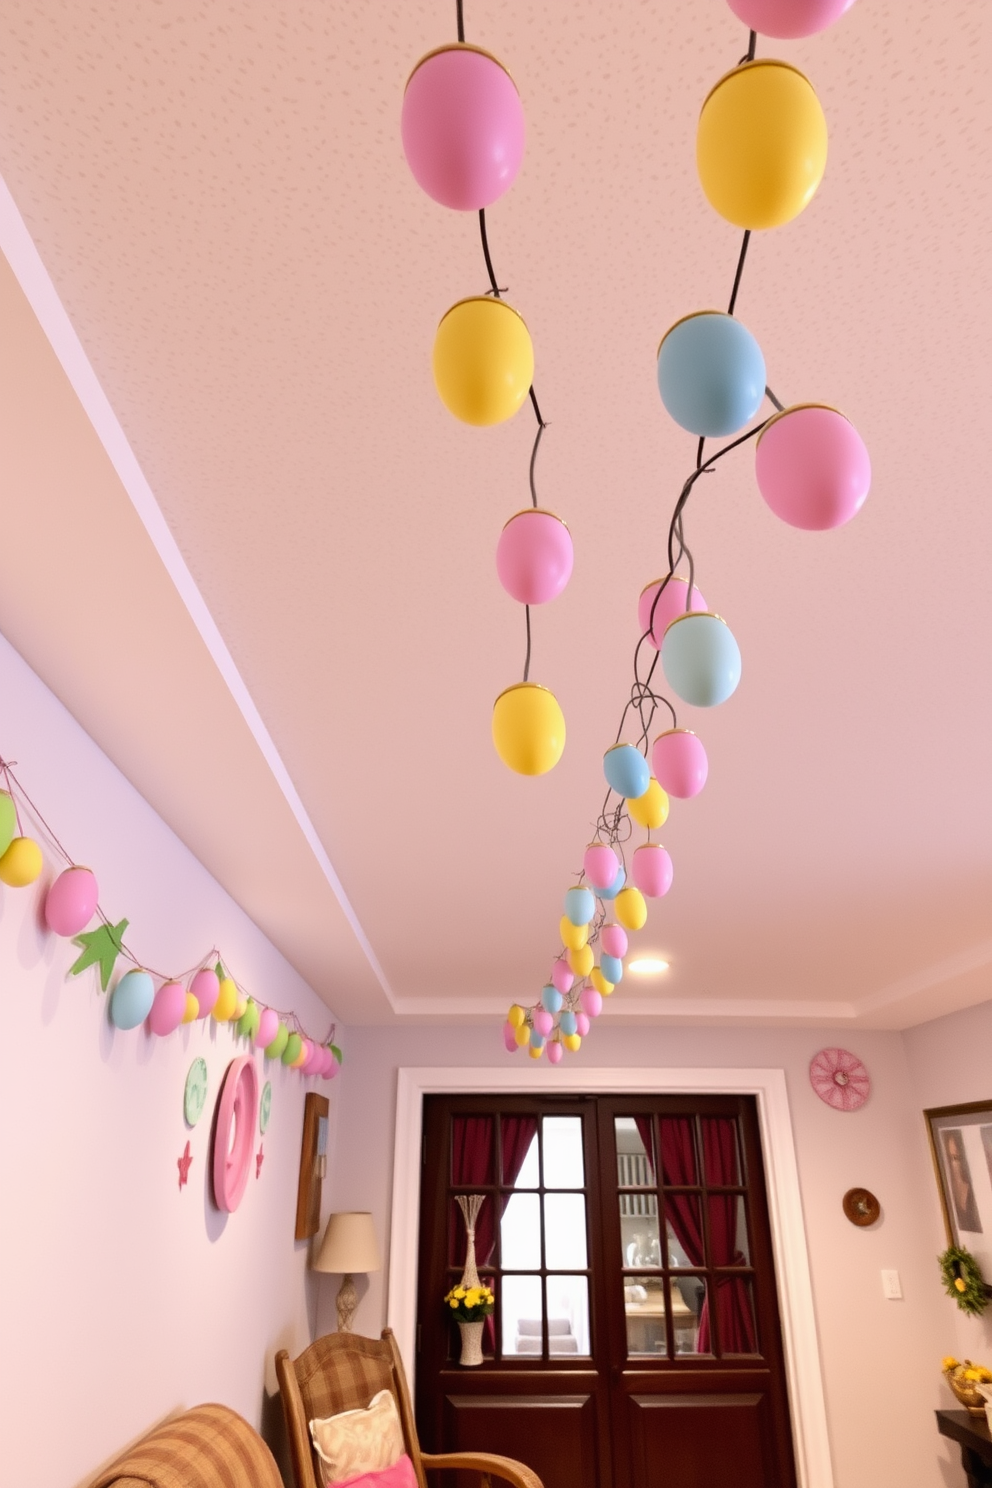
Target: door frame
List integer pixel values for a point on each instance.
(795, 1287)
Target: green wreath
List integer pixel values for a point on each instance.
(963, 1280)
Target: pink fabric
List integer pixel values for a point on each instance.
(400, 1475)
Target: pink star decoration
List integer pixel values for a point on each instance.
(183, 1166)
(259, 1159)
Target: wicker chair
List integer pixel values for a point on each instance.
(342, 1371)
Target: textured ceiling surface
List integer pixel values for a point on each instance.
(220, 197)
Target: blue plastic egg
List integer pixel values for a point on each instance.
(626, 770)
(711, 374)
(702, 660)
(567, 1022)
(131, 1000)
(612, 968)
(616, 885)
(551, 999)
(536, 1039)
(580, 904)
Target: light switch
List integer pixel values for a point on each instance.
(891, 1286)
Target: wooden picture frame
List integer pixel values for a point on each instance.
(961, 1148)
(313, 1161)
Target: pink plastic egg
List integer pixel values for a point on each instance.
(542, 1021)
(331, 1065)
(581, 1024)
(669, 607)
(812, 467)
(562, 976)
(679, 763)
(510, 1038)
(205, 987)
(462, 127)
(600, 865)
(789, 19)
(314, 1063)
(555, 1052)
(306, 1051)
(268, 1026)
(534, 556)
(71, 901)
(592, 1002)
(652, 870)
(613, 941)
(319, 1061)
(167, 1009)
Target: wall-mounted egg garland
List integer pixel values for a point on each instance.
(761, 150)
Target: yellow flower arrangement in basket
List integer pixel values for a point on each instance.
(470, 1304)
(965, 1379)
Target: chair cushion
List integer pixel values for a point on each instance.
(357, 1442)
(400, 1475)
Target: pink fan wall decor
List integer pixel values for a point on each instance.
(839, 1079)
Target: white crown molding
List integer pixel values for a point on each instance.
(644, 1009)
(930, 976)
(795, 1287)
(21, 253)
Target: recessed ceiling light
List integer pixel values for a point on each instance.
(647, 966)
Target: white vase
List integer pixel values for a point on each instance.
(471, 1343)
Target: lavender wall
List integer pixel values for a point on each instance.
(124, 1299)
(880, 1358)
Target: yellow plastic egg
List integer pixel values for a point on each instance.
(192, 1009)
(522, 1035)
(21, 863)
(572, 1041)
(581, 960)
(535, 1053)
(528, 728)
(598, 980)
(515, 1016)
(239, 1008)
(651, 809)
(573, 937)
(227, 1001)
(761, 144)
(483, 360)
(630, 908)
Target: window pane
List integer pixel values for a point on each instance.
(678, 1150)
(639, 1232)
(684, 1230)
(644, 1305)
(563, 1166)
(521, 1314)
(688, 1301)
(728, 1230)
(568, 1316)
(472, 1150)
(720, 1157)
(520, 1233)
(564, 1231)
(635, 1162)
(528, 1173)
(735, 1319)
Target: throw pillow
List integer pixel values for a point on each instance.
(358, 1441)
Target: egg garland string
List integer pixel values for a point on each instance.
(462, 128)
(761, 152)
(205, 990)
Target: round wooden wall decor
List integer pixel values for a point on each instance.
(840, 1079)
(234, 1137)
(861, 1206)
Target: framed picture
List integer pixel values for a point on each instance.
(961, 1144)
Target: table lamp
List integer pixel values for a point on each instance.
(349, 1245)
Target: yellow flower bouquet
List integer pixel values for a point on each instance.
(965, 1380)
(470, 1304)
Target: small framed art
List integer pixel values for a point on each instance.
(961, 1144)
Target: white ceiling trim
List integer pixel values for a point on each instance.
(930, 976)
(21, 253)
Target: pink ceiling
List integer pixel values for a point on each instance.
(220, 198)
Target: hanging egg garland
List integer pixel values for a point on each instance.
(652, 871)
(205, 987)
(812, 467)
(71, 901)
(580, 905)
(651, 809)
(131, 1000)
(528, 728)
(168, 1009)
(483, 361)
(701, 658)
(21, 864)
(600, 864)
(678, 758)
(534, 556)
(711, 374)
(626, 770)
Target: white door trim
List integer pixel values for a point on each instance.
(795, 1288)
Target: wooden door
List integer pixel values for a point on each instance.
(635, 1341)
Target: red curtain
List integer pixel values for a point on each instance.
(733, 1303)
(678, 1165)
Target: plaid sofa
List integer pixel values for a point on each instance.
(209, 1446)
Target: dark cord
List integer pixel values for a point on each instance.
(752, 42)
(533, 458)
(527, 661)
(485, 250)
(740, 270)
(461, 20)
(773, 400)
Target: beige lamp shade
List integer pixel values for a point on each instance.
(349, 1245)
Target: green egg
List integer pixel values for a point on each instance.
(8, 821)
(292, 1050)
(274, 1050)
